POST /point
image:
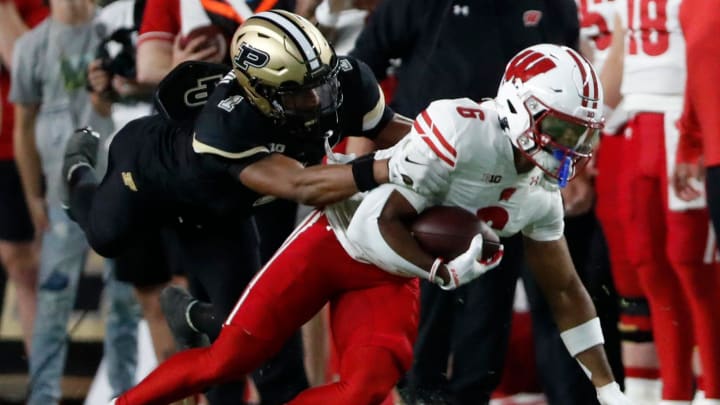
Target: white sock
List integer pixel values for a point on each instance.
(707, 401)
(667, 402)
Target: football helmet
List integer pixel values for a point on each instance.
(551, 103)
(286, 67)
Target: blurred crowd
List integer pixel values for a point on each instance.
(641, 216)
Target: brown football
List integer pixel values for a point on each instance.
(447, 231)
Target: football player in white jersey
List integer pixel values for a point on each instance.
(613, 193)
(671, 244)
(504, 159)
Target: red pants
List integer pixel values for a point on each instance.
(374, 317)
(668, 249)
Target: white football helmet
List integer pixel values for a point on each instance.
(551, 103)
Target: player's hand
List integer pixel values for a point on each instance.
(469, 265)
(610, 394)
(417, 174)
(683, 177)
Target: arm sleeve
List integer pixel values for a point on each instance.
(376, 114)
(25, 87)
(429, 153)
(389, 33)
(550, 225)
(33, 12)
(364, 231)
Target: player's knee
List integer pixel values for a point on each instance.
(371, 386)
(371, 380)
(635, 325)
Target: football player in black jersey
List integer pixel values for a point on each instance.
(287, 100)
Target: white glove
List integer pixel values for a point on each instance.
(417, 173)
(469, 266)
(610, 394)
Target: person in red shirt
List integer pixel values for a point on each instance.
(18, 253)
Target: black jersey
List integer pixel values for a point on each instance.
(195, 171)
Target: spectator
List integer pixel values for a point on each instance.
(18, 253)
(614, 191)
(48, 89)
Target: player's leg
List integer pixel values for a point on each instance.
(282, 377)
(613, 210)
(373, 330)
(114, 211)
(18, 254)
(287, 292)
(671, 320)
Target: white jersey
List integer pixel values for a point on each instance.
(596, 26)
(654, 63)
(475, 158)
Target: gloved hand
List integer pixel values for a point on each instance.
(610, 394)
(469, 265)
(418, 173)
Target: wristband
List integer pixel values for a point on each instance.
(363, 173)
(582, 337)
(433, 271)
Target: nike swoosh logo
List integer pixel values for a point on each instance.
(407, 159)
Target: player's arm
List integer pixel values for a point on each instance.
(380, 227)
(284, 177)
(154, 60)
(612, 71)
(571, 306)
(11, 27)
(28, 163)
(394, 131)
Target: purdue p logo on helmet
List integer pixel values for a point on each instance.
(275, 53)
(247, 57)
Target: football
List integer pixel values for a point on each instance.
(447, 231)
(213, 37)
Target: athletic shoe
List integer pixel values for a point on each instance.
(80, 150)
(176, 303)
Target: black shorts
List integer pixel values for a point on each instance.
(15, 222)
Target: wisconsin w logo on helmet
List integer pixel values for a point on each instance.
(250, 57)
(527, 65)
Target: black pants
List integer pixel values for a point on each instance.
(473, 323)
(219, 256)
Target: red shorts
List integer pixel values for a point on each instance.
(368, 306)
